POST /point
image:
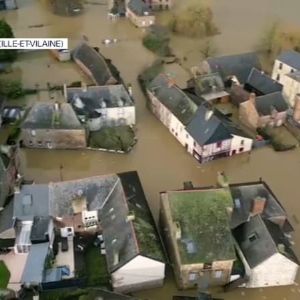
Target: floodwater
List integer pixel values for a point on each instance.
(161, 162)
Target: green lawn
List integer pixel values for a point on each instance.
(96, 268)
(4, 275)
(114, 138)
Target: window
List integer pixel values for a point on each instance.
(278, 77)
(218, 274)
(33, 133)
(252, 237)
(280, 66)
(192, 276)
(39, 143)
(242, 142)
(241, 149)
(207, 266)
(292, 70)
(219, 144)
(195, 144)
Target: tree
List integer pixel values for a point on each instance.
(208, 49)
(6, 33)
(270, 43)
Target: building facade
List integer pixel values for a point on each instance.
(139, 14)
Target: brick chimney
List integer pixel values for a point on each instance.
(296, 114)
(258, 205)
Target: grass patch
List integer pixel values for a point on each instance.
(113, 138)
(4, 275)
(96, 268)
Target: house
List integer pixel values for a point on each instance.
(210, 87)
(291, 86)
(99, 106)
(9, 165)
(139, 13)
(94, 65)
(159, 4)
(8, 4)
(286, 63)
(268, 110)
(206, 134)
(238, 95)
(196, 229)
(237, 66)
(261, 84)
(52, 125)
(61, 54)
(261, 229)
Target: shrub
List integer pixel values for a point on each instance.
(5, 33)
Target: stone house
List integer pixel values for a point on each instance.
(195, 227)
(52, 126)
(268, 110)
(102, 106)
(139, 13)
(206, 134)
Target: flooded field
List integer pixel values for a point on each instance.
(161, 162)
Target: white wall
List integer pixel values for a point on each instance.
(140, 270)
(239, 142)
(286, 69)
(291, 88)
(116, 113)
(275, 271)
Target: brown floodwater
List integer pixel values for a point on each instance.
(160, 160)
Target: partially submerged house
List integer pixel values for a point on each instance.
(102, 106)
(206, 134)
(234, 68)
(261, 84)
(159, 4)
(94, 65)
(52, 126)
(268, 110)
(8, 4)
(195, 225)
(140, 13)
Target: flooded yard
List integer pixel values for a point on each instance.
(160, 160)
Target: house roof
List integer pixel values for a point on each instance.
(43, 116)
(40, 229)
(6, 217)
(173, 98)
(262, 83)
(203, 221)
(95, 63)
(265, 104)
(291, 58)
(238, 95)
(206, 130)
(239, 65)
(259, 240)
(210, 86)
(34, 268)
(243, 195)
(139, 7)
(96, 98)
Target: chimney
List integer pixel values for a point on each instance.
(296, 113)
(258, 205)
(252, 98)
(208, 114)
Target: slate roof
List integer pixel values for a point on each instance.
(6, 217)
(261, 83)
(40, 229)
(204, 224)
(265, 104)
(139, 7)
(95, 63)
(243, 195)
(43, 116)
(34, 267)
(210, 86)
(173, 98)
(258, 243)
(238, 95)
(205, 131)
(291, 58)
(239, 65)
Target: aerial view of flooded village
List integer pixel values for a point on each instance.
(155, 155)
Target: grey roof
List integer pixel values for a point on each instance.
(139, 7)
(207, 131)
(6, 217)
(262, 83)
(239, 65)
(291, 58)
(32, 200)
(95, 63)
(43, 116)
(238, 95)
(210, 86)
(259, 240)
(294, 75)
(34, 267)
(98, 97)
(40, 229)
(173, 98)
(243, 195)
(265, 104)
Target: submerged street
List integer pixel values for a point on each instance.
(160, 160)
